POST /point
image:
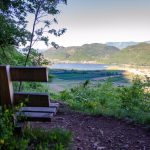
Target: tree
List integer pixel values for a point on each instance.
(38, 58)
(13, 23)
(41, 9)
(13, 19)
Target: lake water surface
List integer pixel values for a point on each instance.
(66, 76)
(78, 66)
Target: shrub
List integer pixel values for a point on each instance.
(124, 102)
(55, 139)
(132, 97)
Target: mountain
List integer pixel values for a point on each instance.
(87, 52)
(137, 55)
(147, 42)
(121, 45)
(100, 53)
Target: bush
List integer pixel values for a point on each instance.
(124, 102)
(135, 101)
(56, 139)
(132, 97)
(91, 100)
(6, 128)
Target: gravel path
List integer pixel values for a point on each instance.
(99, 132)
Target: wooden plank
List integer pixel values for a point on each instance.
(37, 74)
(34, 116)
(32, 99)
(54, 105)
(39, 109)
(6, 88)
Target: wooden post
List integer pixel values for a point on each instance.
(6, 88)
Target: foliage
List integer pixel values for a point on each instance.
(6, 127)
(41, 10)
(131, 97)
(135, 100)
(57, 139)
(10, 34)
(123, 102)
(8, 140)
(13, 23)
(91, 100)
(38, 58)
(32, 86)
(11, 56)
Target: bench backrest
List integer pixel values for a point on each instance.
(32, 74)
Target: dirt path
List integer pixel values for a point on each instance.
(99, 132)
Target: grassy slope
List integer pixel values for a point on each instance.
(87, 52)
(11, 56)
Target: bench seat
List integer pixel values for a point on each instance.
(34, 116)
(38, 113)
(39, 109)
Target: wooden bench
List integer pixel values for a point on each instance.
(37, 105)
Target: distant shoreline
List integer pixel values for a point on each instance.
(95, 62)
(78, 66)
(133, 69)
(73, 62)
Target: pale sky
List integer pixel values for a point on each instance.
(100, 21)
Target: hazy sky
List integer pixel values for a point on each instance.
(92, 21)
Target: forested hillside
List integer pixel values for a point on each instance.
(137, 54)
(87, 52)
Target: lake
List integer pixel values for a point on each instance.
(69, 75)
(78, 66)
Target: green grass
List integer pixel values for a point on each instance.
(130, 102)
(31, 138)
(55, 139)
(11, 56)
